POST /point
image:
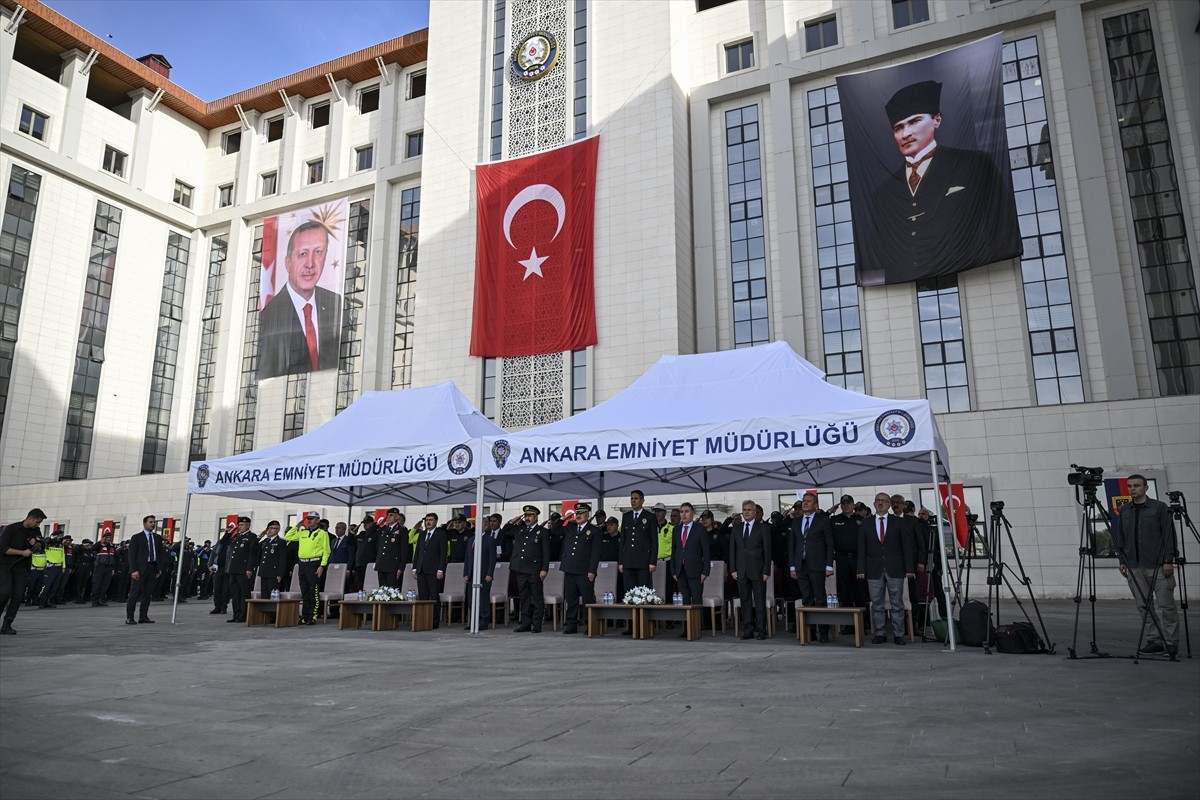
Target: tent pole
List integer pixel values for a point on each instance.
(187, 507)
(937, 487)
(477, 560)
(600, 499)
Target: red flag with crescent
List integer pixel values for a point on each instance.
(534, 233)
(380, 516)
(954, 509)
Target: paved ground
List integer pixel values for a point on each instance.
(203, 709)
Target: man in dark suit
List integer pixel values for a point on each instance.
(945, 210)
(300, 328)
(691, 557)
(366, 541)
(429, 564)
(487, 568)
(580, 560)
(885, 559)
(750, 566)
(811, 557)
(530, 562)
(145, 555)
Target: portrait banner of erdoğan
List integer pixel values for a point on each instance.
(300, 289)
(534, 232)
(927, 162)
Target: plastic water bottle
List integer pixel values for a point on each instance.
(677, 598)
(274, 594)
(833, 601)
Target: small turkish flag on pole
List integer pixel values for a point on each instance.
(954, 506)
(534, 235)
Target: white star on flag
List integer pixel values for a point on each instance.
(533, 265)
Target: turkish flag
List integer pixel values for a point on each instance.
(380, 516)
(533, 253)
(168, 526)
(954, 506)
(107, 527)
(270, 275)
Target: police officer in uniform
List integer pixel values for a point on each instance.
(364, 553)
(243, 558)
(580, 560)
(312, 549)
(851, 590)
(56, 565)
(272, 560)
(392, 550)
(639, 545)
(18, 543)
(102, 572)
(530, 562)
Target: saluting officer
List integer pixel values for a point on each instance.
(391, 550)
(272, 560)
(530, 562)
(243, 558)
(580, 560)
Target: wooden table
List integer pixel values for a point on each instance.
(352, 614)
(645, 617)
(842, 615)
(259, 611)
(600, 613)
(386, 612)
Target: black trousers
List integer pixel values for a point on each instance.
(52, 580)
(101, 578)
(812, 591)
(427, 589)
(691, 588)
(578, 592)
(752, 590)
(141, 589)
(12, 590)
(240, 593)
(308, 590)
(533, 601)
(485, 602)
(388, 578)
(267, 585)
(637, 577)
(83, 584)
(220, 591)
(852, 590)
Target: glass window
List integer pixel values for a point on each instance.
(364, 157)
(274, 129)
(114, 161)
(270, 183)
(182, 194)
(225, 195)
(318, 115)
(942, 344)
(316, 171)
(909, 12)
(406, 283)
(33, 123)
(746, 235)
(368, 99)
(231, 142)
(416, 85)
(820, 34)
(739, 56)
(414, 144)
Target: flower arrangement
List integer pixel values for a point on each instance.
(642, 596)
(386, 593)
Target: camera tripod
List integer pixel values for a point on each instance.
(1179, 516)
(1093, 512)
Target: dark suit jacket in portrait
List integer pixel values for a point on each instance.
(750, 556)
(894, 554)
(961, 216)
(282, 348)
(694, 560)
(813, 552)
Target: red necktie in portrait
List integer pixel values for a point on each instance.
(310, 335)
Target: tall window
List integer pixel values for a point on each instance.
(747, 239)
(1158, 222)
(578, 381)
(20, 207)
(406, 288)
(274, 129)
(579, 108)
(231, 142)
(1049, 314)
(270, 183)
(942, 348)
(499, 65)
(909, 12)
(225, 196)
(414, 144)
(739, 56)
(488, 407)
(316, 170)
(416, 85)
(210, 325)
(247, 407)
(841, 324)
(354, 291)
(295, 402)
(364, 157)
(166, 355)
(89, 352)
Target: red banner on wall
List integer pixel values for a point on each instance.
(535, 225)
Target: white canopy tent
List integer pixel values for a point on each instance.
(739, 420)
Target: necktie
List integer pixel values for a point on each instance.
(685, 533)
(310, 335)
(150, 540)
(804, 544)
(746, 531)
(914, 179)
(882, 529)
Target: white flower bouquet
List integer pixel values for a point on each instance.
(642, 596)
(386, 593)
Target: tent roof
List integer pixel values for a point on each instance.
(661, 434)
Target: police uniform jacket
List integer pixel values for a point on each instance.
(639, 540)
(272, 561)
(391, 548)
(580, 549)
(364, 551)
(243, 553)
(845, 537)
(531, 550)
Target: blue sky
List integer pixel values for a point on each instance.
(219, 47)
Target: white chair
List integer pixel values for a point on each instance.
(606, 579)
(335, 587)
(454, 590)
(499, 593)
(713, 594)
(658, 581)
(552, 592)
(370, 579)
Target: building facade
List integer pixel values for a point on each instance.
(133, 217)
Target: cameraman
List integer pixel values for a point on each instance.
(1145, 541)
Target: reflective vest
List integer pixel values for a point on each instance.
(664, 540)
(38, 560)
(313, 544)
(56, 556)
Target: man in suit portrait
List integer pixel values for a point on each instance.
(811, 559)
(146, 555)
(885, 559)
(429, 564)
(690, 557)
(945, 209)
(750, 566)
(300, 328)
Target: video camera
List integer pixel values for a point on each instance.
(997, 506)
(1177, 501)
(1087, 477)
